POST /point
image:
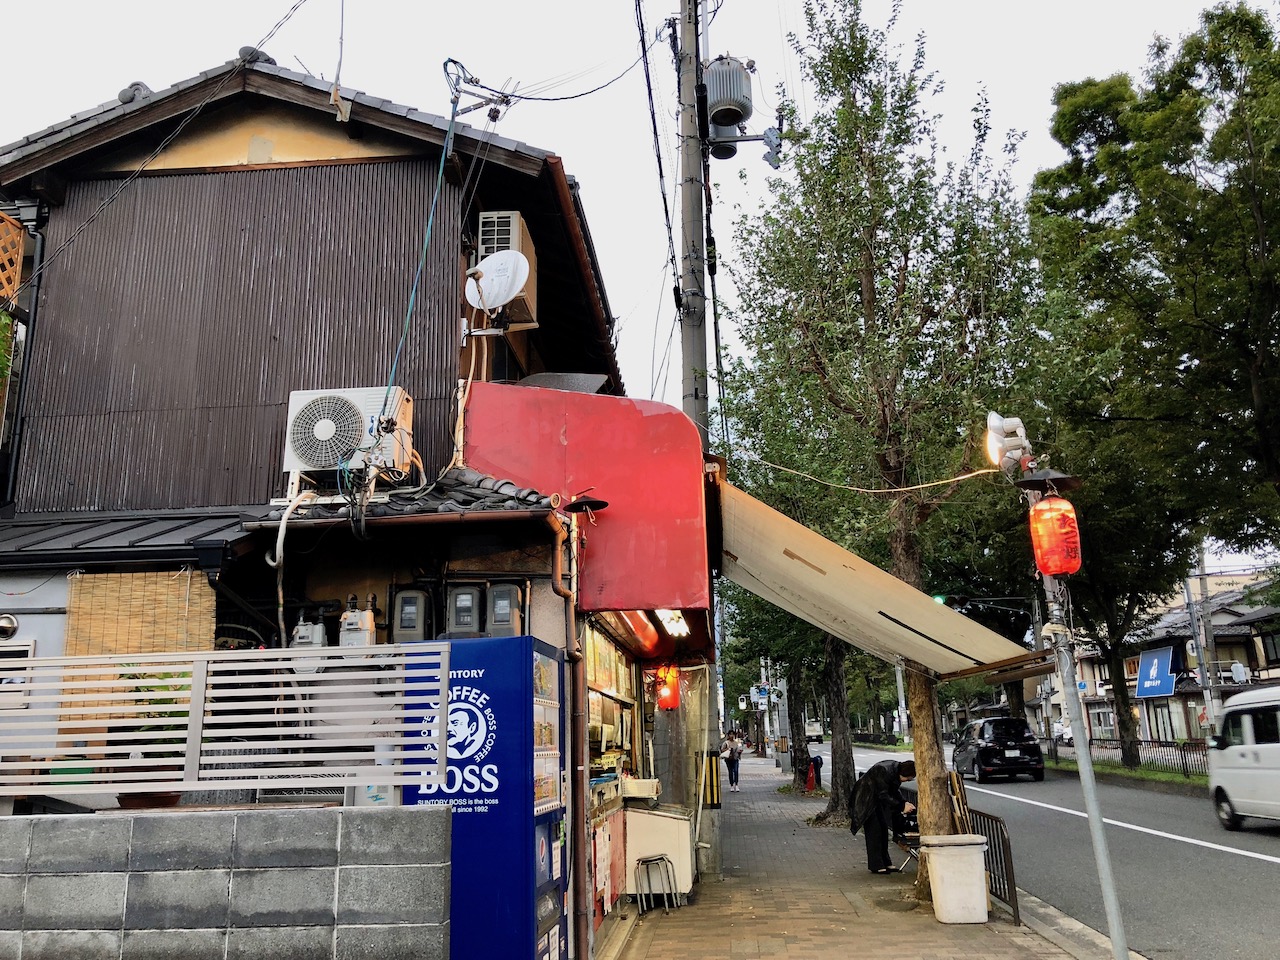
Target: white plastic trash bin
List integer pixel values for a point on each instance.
(957, 877)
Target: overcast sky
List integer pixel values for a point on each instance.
(71, 55)
(75, 54)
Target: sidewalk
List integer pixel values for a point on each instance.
(795, 892)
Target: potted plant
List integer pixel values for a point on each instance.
(165, 696)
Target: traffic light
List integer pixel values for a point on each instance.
(773, 140)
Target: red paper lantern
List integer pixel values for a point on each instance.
(1055, 536)
(668, 687)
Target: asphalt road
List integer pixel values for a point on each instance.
(1188, 889)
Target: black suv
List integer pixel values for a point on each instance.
(998, 746)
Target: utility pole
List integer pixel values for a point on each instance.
(1009, 449)
(1213, 695)
(902, 702)
(693, 305)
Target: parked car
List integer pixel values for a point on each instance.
(1244, 758)
(997, 746)
(812, 731)
(1062, 733)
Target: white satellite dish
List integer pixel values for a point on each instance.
(496, 280)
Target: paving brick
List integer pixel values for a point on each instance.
(286, 943)
(404, 835)
(182, 841)
(78, 844)
(64, 944)
(177, 900)
(15, 843)
(86, 901)
(286, 838)
(393, 942)
(791, 891)
(174, 945)
(282, 898)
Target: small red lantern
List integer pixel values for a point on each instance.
(668, 687)
(1055, 536)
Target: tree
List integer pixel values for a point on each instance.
(1162, 224)
(814, 666)
(883, 296)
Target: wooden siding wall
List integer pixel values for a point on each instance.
(171, 333)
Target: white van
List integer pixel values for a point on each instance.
(1244, 758)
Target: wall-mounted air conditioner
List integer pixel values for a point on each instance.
(505, 230)
(354, 428)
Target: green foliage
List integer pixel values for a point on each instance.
(1161, 225)
(884, 294)
(6, 345)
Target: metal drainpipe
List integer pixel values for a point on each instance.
(577, 733)
(24, 387)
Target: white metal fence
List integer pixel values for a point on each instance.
(225, 720)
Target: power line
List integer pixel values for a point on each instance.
(507, 97)
(237, 65)
(662, 177)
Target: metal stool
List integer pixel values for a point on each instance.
(908, 843)
(666, 882)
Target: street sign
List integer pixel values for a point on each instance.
(1154, 676)
(1082, 684)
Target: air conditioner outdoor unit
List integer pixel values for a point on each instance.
(505, 230)
(344, 428)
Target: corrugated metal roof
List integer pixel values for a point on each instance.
(94, 539)
(181, 536)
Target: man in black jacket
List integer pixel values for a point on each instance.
(877, 806)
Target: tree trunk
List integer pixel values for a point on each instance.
(1126, 723)
(1017, 702)
(795, 725)
(931, 770)
(841, 775)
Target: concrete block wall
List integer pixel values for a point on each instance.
(344, 883)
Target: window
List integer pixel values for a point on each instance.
(1161, 721)
(14, 673)
(1266, 725)
(1102, 671)
(1233, 729)
(1271, 647)
(1102, 722)
(1131, 668)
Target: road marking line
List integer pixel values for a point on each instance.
(1132, 826)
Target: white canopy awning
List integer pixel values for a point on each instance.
(806, 574)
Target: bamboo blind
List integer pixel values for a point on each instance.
(161, 611)
(12, 237)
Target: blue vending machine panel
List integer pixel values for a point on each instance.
(505, 770)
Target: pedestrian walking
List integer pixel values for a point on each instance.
(731, 753)
(878, 807)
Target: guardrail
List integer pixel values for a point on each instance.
(1189, 758)
(998, 859)
(335, 716)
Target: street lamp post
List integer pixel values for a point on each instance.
(1009, 449)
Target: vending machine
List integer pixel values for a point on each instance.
(504, 781)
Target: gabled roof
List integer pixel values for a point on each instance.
(1232, 612)
(119, 118)
(515, 176)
